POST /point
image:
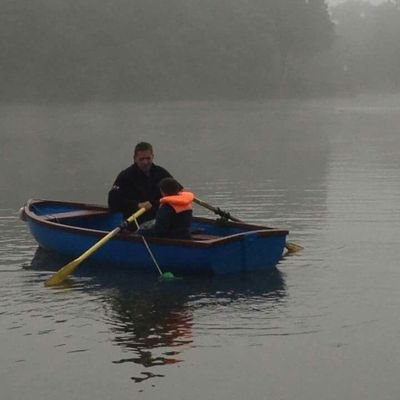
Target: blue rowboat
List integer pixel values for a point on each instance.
(216, 247)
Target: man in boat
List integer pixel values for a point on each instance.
(174, 217)
(138, 185)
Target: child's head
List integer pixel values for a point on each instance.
(169, 187)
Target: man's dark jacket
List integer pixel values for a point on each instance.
(132, 186)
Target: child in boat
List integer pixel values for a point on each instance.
(174, 216)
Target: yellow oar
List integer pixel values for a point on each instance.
(291, 247)
(61, 274)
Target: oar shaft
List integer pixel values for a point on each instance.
(216, 210)
(61, 274)
(96, 246)
(204, 204)
(109, 235)
(291, 247)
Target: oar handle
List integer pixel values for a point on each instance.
(136, 215)
(132, 218)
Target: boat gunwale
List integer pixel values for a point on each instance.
(261, 231)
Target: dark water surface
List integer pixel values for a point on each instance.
(324, 325)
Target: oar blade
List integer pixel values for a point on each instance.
(293, 247)
(59, 277)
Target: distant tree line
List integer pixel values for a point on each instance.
(367, 46)
(175, 49)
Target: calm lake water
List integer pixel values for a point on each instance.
(323, 326)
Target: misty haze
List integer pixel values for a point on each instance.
(282, 113)
(158, 50)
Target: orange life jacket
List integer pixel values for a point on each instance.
(179, 202)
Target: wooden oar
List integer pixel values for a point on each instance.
(291, 247)
(66, 270)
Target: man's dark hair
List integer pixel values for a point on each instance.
(143, 146)
(170, 186)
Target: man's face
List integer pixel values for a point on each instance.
(144, 160)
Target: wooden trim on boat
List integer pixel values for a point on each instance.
(72, 214)
(202, 236)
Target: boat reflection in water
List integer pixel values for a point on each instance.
(153, 320)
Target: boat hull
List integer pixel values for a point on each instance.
(232, 247)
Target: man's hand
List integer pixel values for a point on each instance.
(146, 204)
